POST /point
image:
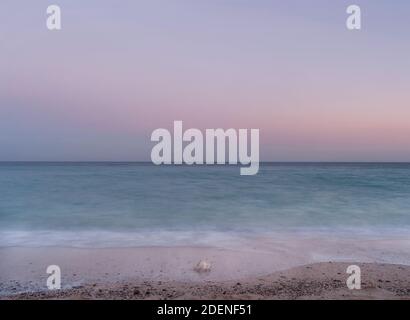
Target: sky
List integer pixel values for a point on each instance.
(118, 70)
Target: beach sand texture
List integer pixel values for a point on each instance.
(198, 273)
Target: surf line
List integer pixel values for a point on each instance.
(215, 140)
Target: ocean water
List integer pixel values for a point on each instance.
(138, 204)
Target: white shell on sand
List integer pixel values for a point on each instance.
(203, 266)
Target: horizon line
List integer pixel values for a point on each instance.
(227, 163)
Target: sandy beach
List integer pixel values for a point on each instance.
(301, 270)
(314, 281)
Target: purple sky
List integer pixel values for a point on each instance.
(118, 70)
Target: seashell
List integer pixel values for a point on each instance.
(203, 266)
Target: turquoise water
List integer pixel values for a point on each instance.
(139, 204)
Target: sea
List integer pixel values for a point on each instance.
(113, 204)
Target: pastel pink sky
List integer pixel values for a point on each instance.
(98, 88)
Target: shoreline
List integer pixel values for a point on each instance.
(266, 270)
(326, 280)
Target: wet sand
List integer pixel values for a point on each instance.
(314, 281)
(289, 270)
